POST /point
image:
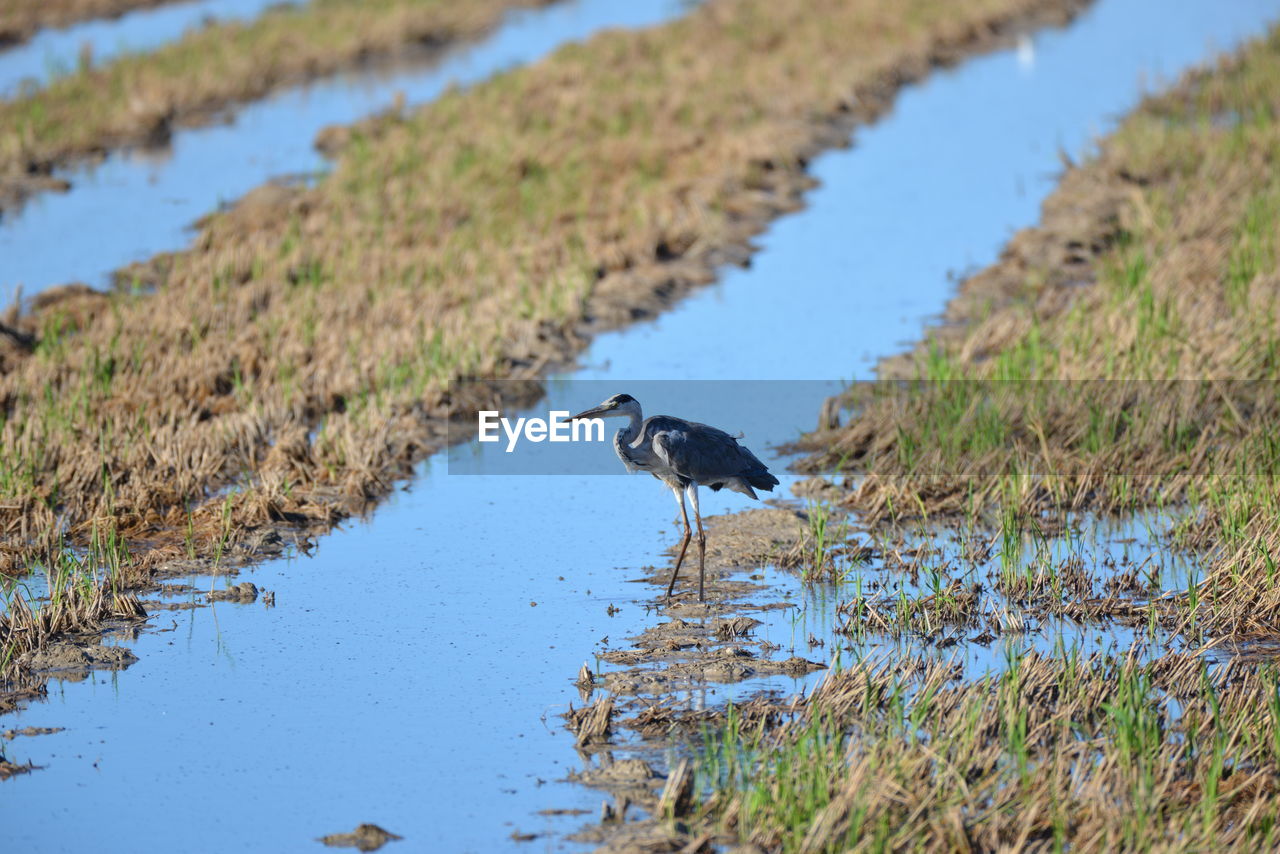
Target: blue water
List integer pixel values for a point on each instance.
(405, 676)
(52, 53)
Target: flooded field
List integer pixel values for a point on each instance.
(136, 204)
(413, 670)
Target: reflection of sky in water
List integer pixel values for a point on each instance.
(54, 52)
(136, 204)
(405, 677)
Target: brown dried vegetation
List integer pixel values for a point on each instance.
(1095, 754)
(138, 99)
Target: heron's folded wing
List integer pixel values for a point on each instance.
(701, 455)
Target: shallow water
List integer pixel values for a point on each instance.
(1105, 548)
(405, 676)
(138, 203)
(55, 52)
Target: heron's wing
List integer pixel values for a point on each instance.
(702, 453)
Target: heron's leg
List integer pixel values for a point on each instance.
(684, 544)
(702, 542)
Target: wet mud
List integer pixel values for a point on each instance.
(633, 702)
(73, 662)
(366, 837)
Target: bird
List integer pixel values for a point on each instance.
(683, 455)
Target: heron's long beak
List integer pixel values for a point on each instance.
(593, 412)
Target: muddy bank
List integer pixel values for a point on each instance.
(901, 751)
(139, 100)
(710, 642)
(19, 19)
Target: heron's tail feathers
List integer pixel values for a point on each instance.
(762, 480)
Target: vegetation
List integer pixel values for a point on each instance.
(137, 99)
(1086, 753)
(82, 591)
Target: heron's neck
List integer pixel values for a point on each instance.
(628, 434)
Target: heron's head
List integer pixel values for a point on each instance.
(618, 406)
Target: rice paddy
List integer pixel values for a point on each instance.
(1027, 601)
(137, 99)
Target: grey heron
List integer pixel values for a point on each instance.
(684, 455)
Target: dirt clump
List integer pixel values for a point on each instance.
(366, 837)
(73, 662)
(30, 731)
(592, 724)
(10, 769)
(245, 592)
(623, 772)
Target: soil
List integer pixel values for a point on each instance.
(73, 661)
(245, 592)
(12, 769)
(366, 837)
